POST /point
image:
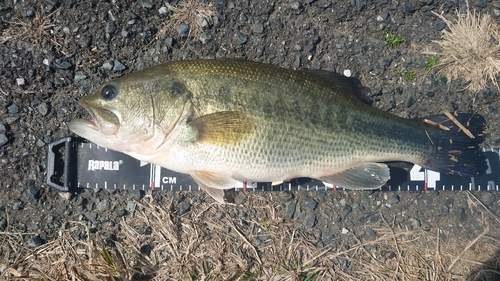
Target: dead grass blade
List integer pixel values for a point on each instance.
(194, 13)
(212, 242)
(470, 50)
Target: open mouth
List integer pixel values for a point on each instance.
(92, 121)
(101, 119)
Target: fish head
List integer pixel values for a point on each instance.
(133, 114)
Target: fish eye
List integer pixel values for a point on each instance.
(108, 92)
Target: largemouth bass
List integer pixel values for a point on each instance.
(223, 121)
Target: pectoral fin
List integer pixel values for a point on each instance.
(214, 183)
(222, 128)
(368, 176)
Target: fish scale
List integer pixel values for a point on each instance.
(227, 120)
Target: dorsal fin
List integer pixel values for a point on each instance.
(350, 86)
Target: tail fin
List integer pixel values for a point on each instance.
(455, 152)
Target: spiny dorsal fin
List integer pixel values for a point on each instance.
(347, 85)
(222, 128)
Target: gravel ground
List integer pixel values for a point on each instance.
(54, 52)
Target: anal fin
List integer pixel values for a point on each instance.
(368, 176)
(214, 183)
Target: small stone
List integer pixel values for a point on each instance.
(461, 215)
(205, 38)
(370, 234)
(363, 217)
(240, 199)
(130, 206)
(409, 8)
(146, 249)
(309, 203)
(34, 241)
(163, 11)
(62, 64)
(480, 4)
(290, 211)
(91, 216)
(295, 6)
(40, 143)
(110, 27)
(79, 77)
(70, 3)
(488, 198)
(440, 26)
(20, 81)
(108, 65)
(277, 23)
(30, 13)
(383, 16)
(17, 205)
(43, 108)
(129, 15)
(285, 196)
(103, 205)
(345, 230)
(297, 47)
(13, 108)
(395, 199)
(241, 37)
(203, 22)
(119, 213)
(258, 28)
(309, 47)
(183, 30)
(3, 225)
(415, 223)
(347, 208)
(184, 208)
(124, 33)
(361, 6)
(33, 192)
(410, 101)
(347, 73)
(310, 221)
(170, 41)
(146, 5)
(118, 66)
(3, 139)
(134, 195)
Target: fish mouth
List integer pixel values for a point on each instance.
(102, 119)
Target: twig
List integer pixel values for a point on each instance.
(486, 208)
(436, 124)
(317, 256)
(438, 257)
(454, 120)
(246, 241)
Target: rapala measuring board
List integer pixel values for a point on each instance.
(74, 163)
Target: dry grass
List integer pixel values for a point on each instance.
(207, 244)
(190, 12)
(470, 50)
(36, 30)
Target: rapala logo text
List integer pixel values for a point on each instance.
(97, 165)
